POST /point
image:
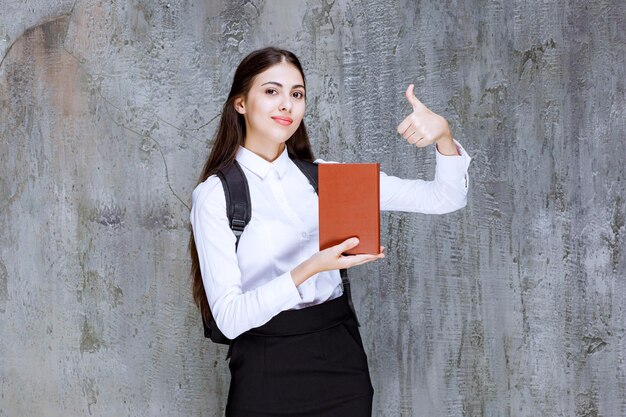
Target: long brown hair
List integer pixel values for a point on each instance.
(231, 134)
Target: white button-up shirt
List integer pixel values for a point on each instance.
(247, 287)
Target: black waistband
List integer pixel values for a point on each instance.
(307, 320)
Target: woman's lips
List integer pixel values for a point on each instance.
(285, 121)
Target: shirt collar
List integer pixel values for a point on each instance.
(260, 166)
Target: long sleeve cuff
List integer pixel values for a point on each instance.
(239, 313)
(452, 169)
(287, 294)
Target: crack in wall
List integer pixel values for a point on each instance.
(159, 148)
(70, 14)
(93, 78)
(9, 50)
(121, 125)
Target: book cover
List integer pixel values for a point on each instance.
(349, 206)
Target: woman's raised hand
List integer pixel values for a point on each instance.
(424, 127)
(332, 258)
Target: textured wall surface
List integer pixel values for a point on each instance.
(514, 306)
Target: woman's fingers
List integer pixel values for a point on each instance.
(346, 245)
(411, 130)
(422, 127)
(414, 137)
(354, 260)
(417, 105)
(405, 124)
(333, 258)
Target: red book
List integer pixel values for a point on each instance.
(349, 206)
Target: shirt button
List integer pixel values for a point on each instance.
(305, 235)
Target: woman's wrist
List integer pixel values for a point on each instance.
(446, 146)
(302, 272)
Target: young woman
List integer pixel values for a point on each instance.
(296, 348)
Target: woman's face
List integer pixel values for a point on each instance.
(273, 108)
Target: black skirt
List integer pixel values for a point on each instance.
(305, 363)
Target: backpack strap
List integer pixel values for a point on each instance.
(239, 212)
(238, 205)
(309, 169)
(345, 282)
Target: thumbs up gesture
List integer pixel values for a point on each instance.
(424, 127)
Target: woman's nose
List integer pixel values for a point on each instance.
(286, 104)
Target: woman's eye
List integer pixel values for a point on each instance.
(270, 91)
(298, 94)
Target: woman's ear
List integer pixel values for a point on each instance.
(240, 106)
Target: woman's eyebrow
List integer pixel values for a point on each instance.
(280, 85)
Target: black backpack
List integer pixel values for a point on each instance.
(239, 211)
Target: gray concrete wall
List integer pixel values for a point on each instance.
(511, 307)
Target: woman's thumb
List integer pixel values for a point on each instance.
(349, 244)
